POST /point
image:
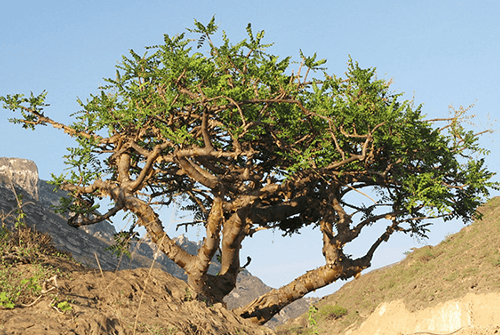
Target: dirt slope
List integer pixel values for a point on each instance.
(109, 302)
(471, 314)
(464, 269)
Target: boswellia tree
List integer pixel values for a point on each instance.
(249, 144)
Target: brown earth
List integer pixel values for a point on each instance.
(44, 290)
(139, 301)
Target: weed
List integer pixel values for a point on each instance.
(332, 312)
(311, 318)
(64, 306)
(188, 296)
(6, 301)
(21, 215)
(23, 250)
(18, 287)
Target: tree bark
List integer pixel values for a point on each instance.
(198, 269)
(235, 230)
(149, 220)
(266, 306)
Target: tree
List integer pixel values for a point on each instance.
(248, 144)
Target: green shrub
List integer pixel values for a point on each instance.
(332, 312)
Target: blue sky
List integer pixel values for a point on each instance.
(439, 52)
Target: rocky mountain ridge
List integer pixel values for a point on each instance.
(88, 244)
(21, 172)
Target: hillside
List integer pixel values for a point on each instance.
(88, 244)
(44, 291)
(459, 277)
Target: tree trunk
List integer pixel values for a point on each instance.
(266, 306)
(233, 234)
(197, 271)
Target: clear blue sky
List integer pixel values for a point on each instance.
(440, 52)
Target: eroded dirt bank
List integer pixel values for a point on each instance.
(472, 314)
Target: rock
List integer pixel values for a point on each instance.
(20, 172)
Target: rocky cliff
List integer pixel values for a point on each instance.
(20, 172)
(88, 244)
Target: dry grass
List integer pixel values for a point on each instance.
(468, 261)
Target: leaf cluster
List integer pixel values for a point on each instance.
(194, 119)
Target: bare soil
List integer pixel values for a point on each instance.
(78, 300)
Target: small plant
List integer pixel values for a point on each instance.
(26, 246)
(6, 301)
(21, 215)
(332, 312)
(18, 287)
(64, 306)
(311, 318)
(188, 296)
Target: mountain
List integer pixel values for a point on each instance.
(450, 288)
(20, 172)
(88, 244)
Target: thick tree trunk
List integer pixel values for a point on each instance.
(234, 232)
(149, 220)
(197, 271)
(266, 306)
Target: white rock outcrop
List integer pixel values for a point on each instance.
(20, 172)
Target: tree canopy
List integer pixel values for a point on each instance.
(249, 141)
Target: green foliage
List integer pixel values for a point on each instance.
(122, 243)
(332, 311)
(311, 318)
(20, 219)
(64, 306)
(7, 301)
(23, 245)
(282, 145)
(294, 125)
(188, 296)
(16, 287)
